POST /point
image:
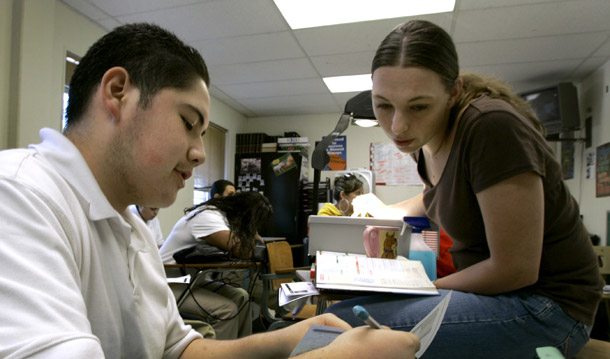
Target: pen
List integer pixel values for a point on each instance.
(361, 313)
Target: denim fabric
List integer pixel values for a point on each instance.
(507, 326)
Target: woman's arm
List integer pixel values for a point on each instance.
(513, 213)
(223, 240)
(370, 204)
(411, 207)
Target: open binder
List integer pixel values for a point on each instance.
(354, 272)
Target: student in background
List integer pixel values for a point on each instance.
(81, 276)
(229, 223)
(526, 271)
(149, 216)
(347, 187)
(222, 188)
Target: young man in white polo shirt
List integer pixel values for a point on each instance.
(81, 277)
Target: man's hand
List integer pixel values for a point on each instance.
(365, 342)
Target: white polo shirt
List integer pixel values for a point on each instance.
(153, 225)
(77, 279)
(188, 231)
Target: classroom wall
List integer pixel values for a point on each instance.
(6, 8)
(358, 141)
(594, 100)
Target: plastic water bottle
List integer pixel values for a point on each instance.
(418, 249)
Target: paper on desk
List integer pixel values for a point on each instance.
(289, 292)
(183, 279)
(426, 329)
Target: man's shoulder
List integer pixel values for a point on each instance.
(26, 167)
(13, 159)
(27, 172)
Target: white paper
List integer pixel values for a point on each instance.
(183, 279)
(289, 292)
(426, 329)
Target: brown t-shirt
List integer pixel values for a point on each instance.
(493, 143)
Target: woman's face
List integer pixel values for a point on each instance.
(350, 197)
(412, 106)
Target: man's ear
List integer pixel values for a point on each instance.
(216, 195)
(114, 86)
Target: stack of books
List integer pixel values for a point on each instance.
(293, 144)
(269, 147)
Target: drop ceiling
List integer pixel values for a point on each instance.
(260, 67)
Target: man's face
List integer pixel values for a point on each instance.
(148, 213)
(162, 144)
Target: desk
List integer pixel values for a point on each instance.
(272, 239)
(202, 268)
(323, 299)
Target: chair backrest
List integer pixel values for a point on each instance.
(280, 257)
(603, 259)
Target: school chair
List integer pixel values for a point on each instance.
(280, 270)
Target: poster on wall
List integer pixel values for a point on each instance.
(392, 167)
(337, 151)
(590, 162)
(602, 171)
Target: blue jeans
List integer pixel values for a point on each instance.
(507, 326)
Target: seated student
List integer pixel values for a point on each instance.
(347, 187)
(526, 270)
(222, 188)
(149, 216)
(229, 223)
(80, 275)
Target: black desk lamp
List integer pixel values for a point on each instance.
(357, 107)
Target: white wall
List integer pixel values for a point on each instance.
(358, 141)
(6, 8)
(595, 103)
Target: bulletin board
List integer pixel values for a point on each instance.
(392, 167)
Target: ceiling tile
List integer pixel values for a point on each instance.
(216, 19)
(244, 49)
(550, 48)
(122, 7)
(275, 88)
(89, 10)
(261, 71)
(356, 63)
(542, 19)
(260, 67)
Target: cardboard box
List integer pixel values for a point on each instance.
(344, 234)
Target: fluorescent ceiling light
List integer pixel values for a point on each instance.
(312, 13)
(363, 122)
(349, 83)
(72, 60)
